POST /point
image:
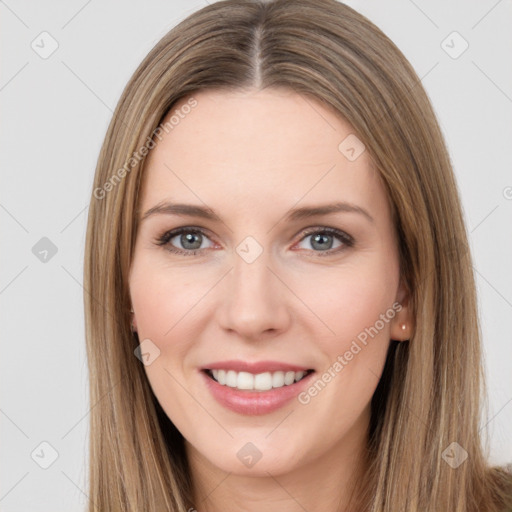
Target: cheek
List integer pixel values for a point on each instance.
(350, 299)
(166, 301)
(356, 303)
(358, 310)
(342, 301)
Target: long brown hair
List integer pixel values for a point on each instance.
(431, 391)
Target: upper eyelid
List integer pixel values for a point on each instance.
(305, 232)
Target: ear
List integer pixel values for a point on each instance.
(402, 323)
(133, 321)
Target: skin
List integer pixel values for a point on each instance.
(251, 156)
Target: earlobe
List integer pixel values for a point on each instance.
(133, 322)
(401, 325)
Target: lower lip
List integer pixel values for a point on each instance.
(254, 402)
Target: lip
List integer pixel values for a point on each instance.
(255, 367)
(251, 402)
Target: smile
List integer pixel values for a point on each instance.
(256, 382)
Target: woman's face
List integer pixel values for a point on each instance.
(248, 280)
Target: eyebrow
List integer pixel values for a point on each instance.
(294, 214)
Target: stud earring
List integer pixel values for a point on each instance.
(404, 326)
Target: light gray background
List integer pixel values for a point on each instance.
(55, 112)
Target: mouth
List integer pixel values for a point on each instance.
(264, 381)
(255, 387)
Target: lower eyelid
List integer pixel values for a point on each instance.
(164, 240)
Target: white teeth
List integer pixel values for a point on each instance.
(245, 381)
(231, 379)
(278, 379)
(263, 381)
(259, 382)
(299, 375)
(289, 378)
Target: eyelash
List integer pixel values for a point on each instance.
(164, 239)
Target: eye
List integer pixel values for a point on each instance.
(324, 238)
(191, 240)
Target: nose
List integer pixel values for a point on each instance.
(254, 301)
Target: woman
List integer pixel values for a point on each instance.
(317, 346)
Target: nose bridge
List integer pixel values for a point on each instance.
(253, 302)
(251, 277)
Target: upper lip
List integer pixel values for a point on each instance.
(255, 367)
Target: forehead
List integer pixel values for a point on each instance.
(256, 146)
(259, 125)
